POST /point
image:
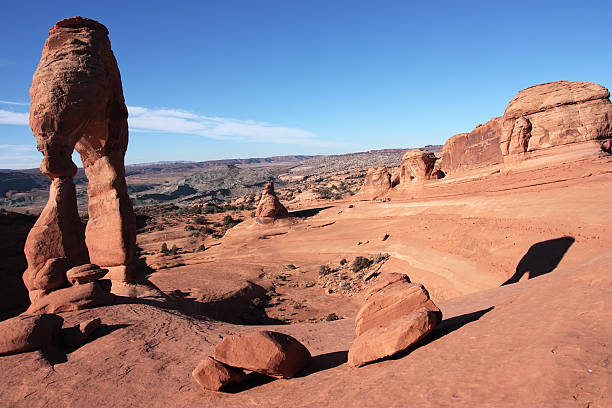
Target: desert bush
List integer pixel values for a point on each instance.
(201, 248)
(174, 250)
(201, 220)
(331, 317)
(343, 261)
(164, 249)
(324, 270)
(381, 257)
(360, 263)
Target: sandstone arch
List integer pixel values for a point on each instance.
(77, 102)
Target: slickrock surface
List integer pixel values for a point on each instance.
(269, 205)
(26, 333)
(376, 184)
(213, 375)
(266, 352)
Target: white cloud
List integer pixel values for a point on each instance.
(14, 103)
(184, 122)
(13, 118)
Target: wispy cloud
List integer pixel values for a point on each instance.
(14, 103)
(184, 122)
(13, 118)
(19, 156)
(220, 128)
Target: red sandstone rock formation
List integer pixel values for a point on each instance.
(26, 333)
(376, 184)
(213, 375)
(555, 114)
(417, 166)
(396, 314)
(537, 121)
(478, 148)
(266, 352)
(269, 205)
(77, 102)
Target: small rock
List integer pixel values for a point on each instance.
(212, 374)
(85, 273)
(266, 352)
(26, 333)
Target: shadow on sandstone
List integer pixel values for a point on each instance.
(57, 353)
(445, 327)
(542, 258)
(311, 212)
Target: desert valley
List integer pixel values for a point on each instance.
(471, 274)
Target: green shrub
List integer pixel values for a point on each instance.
(174, 249)
(360, 263)
(164, 249)
(324, 270)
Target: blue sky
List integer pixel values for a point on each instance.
(222, 79)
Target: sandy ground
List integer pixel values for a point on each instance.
(474, 242)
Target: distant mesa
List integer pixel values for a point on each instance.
(270, 206)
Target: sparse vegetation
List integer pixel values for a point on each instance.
(343, 261)
(331, 317)
(360, 263)
(164, 249)
(325, 270)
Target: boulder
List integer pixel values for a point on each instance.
(269, 205)
(213, 375)
(396, 314)
(27, 333)
(377, 183)
(396, 336)
(85, 273)
(77, 335)
(73, 298)
(393, 301)
(416, 167)
(555, 114)
(77, 102)
(266, 352)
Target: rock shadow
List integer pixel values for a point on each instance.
(308, 212)
(542, 258)
(252, 380)
(445, 327)
(324, 362)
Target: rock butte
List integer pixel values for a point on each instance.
(77, 102)
(269, 206)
